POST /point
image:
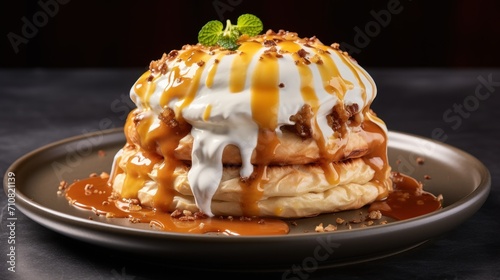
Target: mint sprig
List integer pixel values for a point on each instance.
(213, 33)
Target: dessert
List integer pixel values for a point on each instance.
(243, 130)
(279, 127)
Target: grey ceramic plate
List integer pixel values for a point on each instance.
(463, 181)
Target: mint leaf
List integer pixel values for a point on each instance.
(227, 43)
(210, 33)
(213, 33)
(249, 24)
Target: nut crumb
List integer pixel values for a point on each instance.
(319, 228)
(420, 160)
(62, 185)
(176, 214)
(330, 227)
(134, 220)
(339, 220)
(375, 215)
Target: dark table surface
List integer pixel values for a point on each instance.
(40, 106)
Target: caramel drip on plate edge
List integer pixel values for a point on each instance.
(184, 78)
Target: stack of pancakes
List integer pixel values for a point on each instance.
(280, 127)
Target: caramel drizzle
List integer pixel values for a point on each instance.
(333, 83)
(183, 85)
(375, 135)
(212, 70)
(265, 106)
(145, 87)
(239, 67)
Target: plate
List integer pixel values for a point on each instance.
(463, 181)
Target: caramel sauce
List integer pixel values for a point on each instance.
(407, 199)
(264, 103)
(330, 74)
(95, 194)
(212, 70)
(239, 67)
(144, 87)
(183, 84)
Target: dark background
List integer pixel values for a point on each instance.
(77, 33)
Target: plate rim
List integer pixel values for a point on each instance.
(36, 211)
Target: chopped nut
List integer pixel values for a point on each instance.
(134, 207)
(177, 213)
(62, 185)
(330, 227)
(200, 215)
(302, 53)
(339, 220)
(104, 175)
(319, 228)
(375, 215)
(420, 160)
(134, 220)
